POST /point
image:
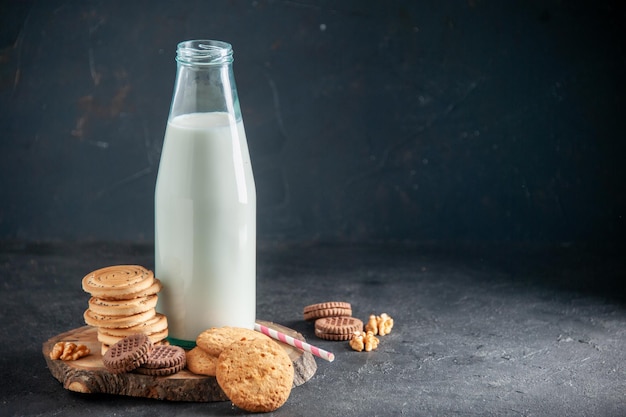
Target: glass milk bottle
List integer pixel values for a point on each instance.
(205, 200)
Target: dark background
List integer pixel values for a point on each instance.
(456, 164)
(468, 120)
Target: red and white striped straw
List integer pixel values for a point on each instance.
(274, 334)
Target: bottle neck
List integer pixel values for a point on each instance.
(204, 80)
(203, 53)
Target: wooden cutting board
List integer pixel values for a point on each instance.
(88, 374)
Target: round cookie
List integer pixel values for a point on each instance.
(327, 309)
(160, 371)
(155, 288)
(201, 363)
(216, 339)
(256, 375)
(156, 324)
(117, 280)
(104, 347)
(163, 360)
(337, 328)
(108, 339)
(127, 354)
(165, 356)
(99, 320)
(122, 307)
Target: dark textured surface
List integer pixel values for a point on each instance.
(475, 121)
(480, 331)
(428, 120)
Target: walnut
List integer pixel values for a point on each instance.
(356, 342)
(371, 341)
(372, 325)
(68, 351)
(385, 324)
(363, 341)
(379, 325)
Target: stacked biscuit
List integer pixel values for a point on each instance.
(333, 320)
(122, 303)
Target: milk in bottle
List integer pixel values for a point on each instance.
(205, 201)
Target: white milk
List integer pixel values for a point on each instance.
(205, 231)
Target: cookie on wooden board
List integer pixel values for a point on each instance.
(256, 375)
(127, 307)
(156, 324)
(108, 339)
(118, 281)
(100, 320)
(216, 339)
(200, 362)
(155, 288)
(163, 360)
(128, 354)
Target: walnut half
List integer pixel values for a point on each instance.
(363, 341)
(68, 351)
(379, 325)
(356, 342)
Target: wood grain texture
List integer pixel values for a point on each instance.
(88, 375)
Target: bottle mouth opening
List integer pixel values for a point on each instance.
(204, 52)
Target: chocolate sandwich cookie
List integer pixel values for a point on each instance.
(160, 371)
(163, 360)
(165, 356)
(337, 328)
(127, 354)
(327, 309)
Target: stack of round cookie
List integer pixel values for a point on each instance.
(123, 303)
(333, 320)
